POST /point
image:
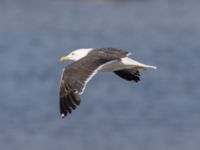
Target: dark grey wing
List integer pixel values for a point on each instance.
(69, 98)
(112, 51)
(129, 74)
(75, 77)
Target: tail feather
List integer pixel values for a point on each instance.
(129, 61)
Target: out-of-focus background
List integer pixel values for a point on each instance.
(161, 112)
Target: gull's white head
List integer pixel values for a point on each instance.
(76, 54)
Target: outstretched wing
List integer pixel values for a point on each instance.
(75, 77)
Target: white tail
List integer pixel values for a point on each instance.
(148, 66)
(129, 61)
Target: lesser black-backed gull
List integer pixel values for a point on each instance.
(87, 62)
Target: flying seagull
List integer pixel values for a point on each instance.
(89, 61)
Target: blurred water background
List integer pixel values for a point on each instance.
(162, 112)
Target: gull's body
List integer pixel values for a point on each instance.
(87, 62)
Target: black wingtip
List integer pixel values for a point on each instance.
(68, 102)
(128, 74)
(63, 116)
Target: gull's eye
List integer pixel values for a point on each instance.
(72, 53)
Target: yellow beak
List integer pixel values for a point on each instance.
(64, 58)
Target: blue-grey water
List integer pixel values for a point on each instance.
(162, 112)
